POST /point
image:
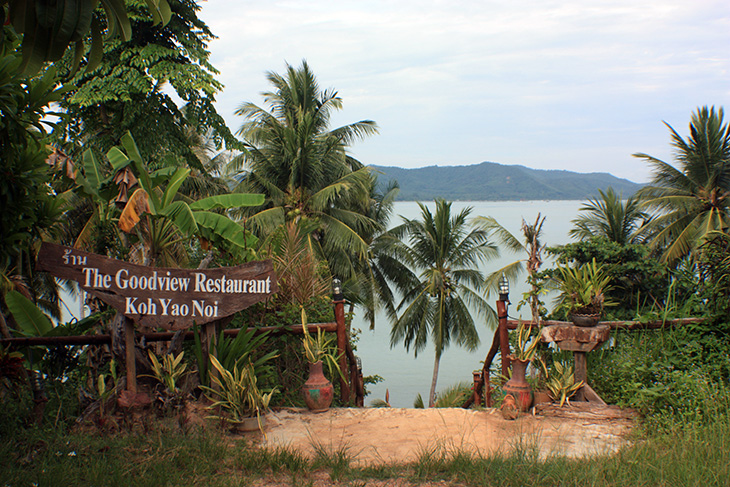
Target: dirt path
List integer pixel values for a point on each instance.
(392, 435)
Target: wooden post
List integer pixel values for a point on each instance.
(130, 356)
(503, 335)
(476, 397)
(581, 373)
(342, 348)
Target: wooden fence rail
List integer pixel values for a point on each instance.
(351, 368)
(618, 325)
(164, 336)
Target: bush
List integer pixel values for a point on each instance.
(674, 378)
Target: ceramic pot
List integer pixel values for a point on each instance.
(517, 385)
(585, 320)
(247, 425)
(317, 391)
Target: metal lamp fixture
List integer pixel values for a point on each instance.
(503, 288)
(337, 289)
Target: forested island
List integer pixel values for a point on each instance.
(490, 181)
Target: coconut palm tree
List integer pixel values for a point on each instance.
(445, 251)
(611, 217)
(303, 169)
(532, 245)
(383, 272)
(691, 197)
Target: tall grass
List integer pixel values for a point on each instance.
(687, 456)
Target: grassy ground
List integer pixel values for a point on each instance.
(166, 456)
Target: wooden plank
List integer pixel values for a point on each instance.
(581, 373)
(131, 359)
(592, 396)
(617, 325)
(342, 349)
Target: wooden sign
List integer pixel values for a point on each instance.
(170, 298)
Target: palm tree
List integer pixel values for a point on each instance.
(692, 198)
(532, 246)
(446, 252)
(373, 287)
(303, 168)
(609, 216)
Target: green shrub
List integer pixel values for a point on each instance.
(674, 378)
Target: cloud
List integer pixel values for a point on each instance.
(566, 85)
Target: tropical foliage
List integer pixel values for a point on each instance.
(561, 382)
(533, 246)
(303, 168)
(129, 89)
(611, 217)
(237, 392)
(526, 345)
(48, 31)
(639, 281)
(383, 271)
(29, 208)
(444, 253)
(582, 288)
(691, 196)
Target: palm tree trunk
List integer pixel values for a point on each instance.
(432, 395)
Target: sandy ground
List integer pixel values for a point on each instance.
(373, 436)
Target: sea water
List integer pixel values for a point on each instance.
(404, 375)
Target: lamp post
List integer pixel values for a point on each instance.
(338, 300)
(502, 317)
(337, 290)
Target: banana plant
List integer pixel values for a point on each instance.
(50, 28)
(162, 218)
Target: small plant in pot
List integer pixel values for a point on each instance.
(318, 391)
(523, 354)
(236, 392)
(582, 292)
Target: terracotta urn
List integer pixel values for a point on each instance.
(517, 385)
(317, 391)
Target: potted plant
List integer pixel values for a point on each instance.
(561, 383)
(525, 351)
(318, 391)
(237, 393)
(582, 292)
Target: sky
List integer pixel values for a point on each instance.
(575, 85)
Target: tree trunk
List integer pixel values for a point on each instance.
(432, 395)
(4, 326)
(206, 260)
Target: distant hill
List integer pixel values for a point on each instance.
(490, 181)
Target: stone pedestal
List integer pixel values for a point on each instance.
(580, 341)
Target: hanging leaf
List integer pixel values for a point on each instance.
(137, 205)
(228, 201)
(30, 319)
(171, 190)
